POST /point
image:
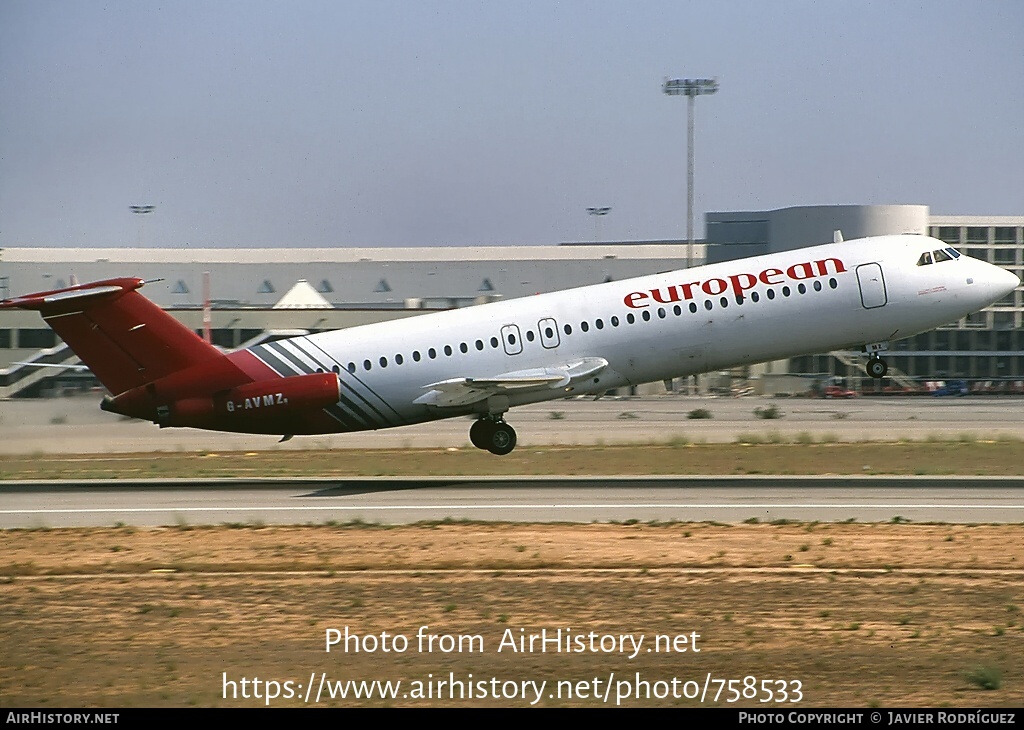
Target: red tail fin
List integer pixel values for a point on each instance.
(124, 338)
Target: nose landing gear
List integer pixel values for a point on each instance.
(876, 367)
(494, 435)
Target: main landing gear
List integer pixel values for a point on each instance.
(876, 367)
(493, 434)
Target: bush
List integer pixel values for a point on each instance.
(986, 677)
(769, 413)
(698, 413)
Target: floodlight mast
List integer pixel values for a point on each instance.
(140, 211)
(691, 89)
(598, 213)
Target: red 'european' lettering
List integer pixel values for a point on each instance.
(739, 283)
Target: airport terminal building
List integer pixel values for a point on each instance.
(256, 293)
(988, 345)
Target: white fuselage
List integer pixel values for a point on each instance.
(837, 296)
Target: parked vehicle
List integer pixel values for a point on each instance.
(839, 391)
(835, 387)
(952, 387)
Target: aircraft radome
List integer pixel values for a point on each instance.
(484, 360)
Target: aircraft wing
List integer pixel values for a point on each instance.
(463, 391)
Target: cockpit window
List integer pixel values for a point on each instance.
(934, 257)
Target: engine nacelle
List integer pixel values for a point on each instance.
(270, 398)
(255, 407)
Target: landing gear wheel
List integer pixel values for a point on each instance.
(480, 433)
(502, 439)
(877, 367)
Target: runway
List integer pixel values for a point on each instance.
(729, 499)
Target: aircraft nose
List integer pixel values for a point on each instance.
(1002, 282)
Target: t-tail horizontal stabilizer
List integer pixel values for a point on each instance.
(125, 339)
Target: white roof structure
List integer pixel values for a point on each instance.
(303, 296)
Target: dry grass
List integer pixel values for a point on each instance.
(758, 454)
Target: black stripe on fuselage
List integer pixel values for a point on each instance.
(355, 420)
(342, 417)
(272, 361)
(291, 357)
(355, 385)
(351, 404)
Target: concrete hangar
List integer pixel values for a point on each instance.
(256, 293)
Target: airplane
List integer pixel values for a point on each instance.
(482, 361)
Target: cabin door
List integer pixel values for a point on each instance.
(872, 286)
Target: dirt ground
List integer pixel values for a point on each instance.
(840, 614)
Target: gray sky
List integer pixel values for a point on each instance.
(483, 123)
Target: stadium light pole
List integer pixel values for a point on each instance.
(598, 214)
(691, 89)
(141, 211)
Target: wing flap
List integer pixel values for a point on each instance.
(464, 391)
